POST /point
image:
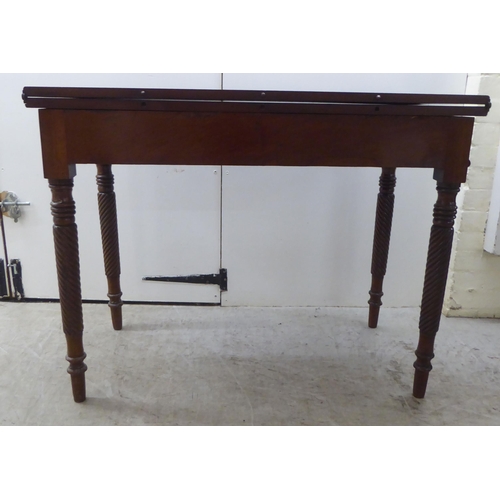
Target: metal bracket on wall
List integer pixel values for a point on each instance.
(204, 279)
(9, 203)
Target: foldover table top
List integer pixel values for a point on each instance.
(256, 101)
(233, 127)
(106, 126)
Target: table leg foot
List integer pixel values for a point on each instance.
(68, 274)
(109, 231)
(77, 369)
(420, 384)
(115, 306)
(381, 239)
(423, 366)
(374, 310)
(436, 274)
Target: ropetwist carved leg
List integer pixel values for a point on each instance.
(109, 232)
(68, 274)
(381, 239)
(436, 273)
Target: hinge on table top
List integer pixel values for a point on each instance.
(203, 279)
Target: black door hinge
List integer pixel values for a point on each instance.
(204, 279)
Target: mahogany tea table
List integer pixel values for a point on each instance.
(106, 126)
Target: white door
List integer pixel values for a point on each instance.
(303, 236)
(169, 217)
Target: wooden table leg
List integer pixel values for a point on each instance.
(436, 273)
(381, 239)
(68, 273)
(109, 232)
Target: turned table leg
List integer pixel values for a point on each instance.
(109, 232)
(68, 273)
(381, 239)
(436, 273)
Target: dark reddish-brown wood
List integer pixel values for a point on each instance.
(182, 138)
(109, 231)
(263, 128)
(381, 239)
(436, 273)
(255, 101)
(68, 273)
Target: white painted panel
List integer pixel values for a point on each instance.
(492, 232)
(303, 236)
(169, 224)
(169, 217)
(439, 83)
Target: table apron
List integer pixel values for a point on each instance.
(253, 139)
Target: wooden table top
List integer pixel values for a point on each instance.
(255, 101)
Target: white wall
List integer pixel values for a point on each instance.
(474, 280)
(492, 232)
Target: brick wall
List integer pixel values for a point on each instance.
(474, 279)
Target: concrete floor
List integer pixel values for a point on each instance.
(246, 366)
